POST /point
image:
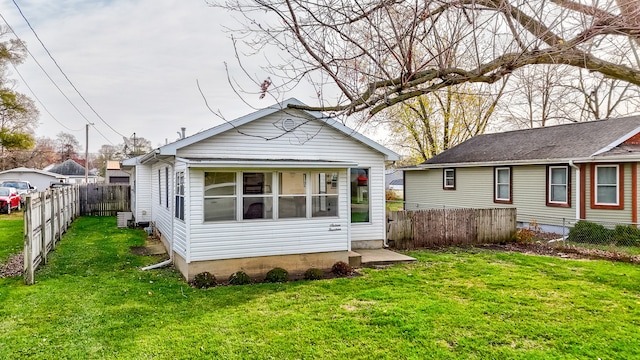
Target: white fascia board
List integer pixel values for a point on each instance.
(617, 142)
(37, 171)
(310, 164)
(171, 149)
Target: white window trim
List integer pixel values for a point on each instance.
(453, 177)
(275, 196)
(496, 183)
(596, 185)
(566, 184)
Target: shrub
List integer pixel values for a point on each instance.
(590, 233)
(626, 235)
(525, 235)
(341, 268)
(204, 280)
(277, 275)
(313, 274)
(239, 278)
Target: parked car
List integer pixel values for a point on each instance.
(23, 188)
(9, 199)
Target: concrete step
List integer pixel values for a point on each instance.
(379, 257)
(355, 259)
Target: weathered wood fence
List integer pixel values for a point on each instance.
(446, 227)
(47, 215)
(104, 199)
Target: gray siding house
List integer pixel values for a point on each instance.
(576, 171)
(278, 187)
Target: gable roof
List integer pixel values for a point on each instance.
(577, 141)
(171, 149)
(69, 167)
(37, 171)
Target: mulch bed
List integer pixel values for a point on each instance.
(13, 267)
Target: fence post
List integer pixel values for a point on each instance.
(28, 238)
(43, 228)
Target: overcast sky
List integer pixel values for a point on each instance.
(135, 62)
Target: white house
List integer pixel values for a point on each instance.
(278, 187)
(39, 178)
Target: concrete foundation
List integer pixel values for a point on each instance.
(258, 266)
(367, 244)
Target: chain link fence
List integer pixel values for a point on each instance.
(618, 237)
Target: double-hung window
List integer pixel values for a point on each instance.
(324, 194)
(257, 195)
(607, 185)
(292, 198)
(179, 210)
(502, 185)
(449, 179)
(558, 185)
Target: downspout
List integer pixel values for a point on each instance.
(173, 204)
(577, 188)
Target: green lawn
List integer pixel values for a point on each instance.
(11, 235)
(91, 302)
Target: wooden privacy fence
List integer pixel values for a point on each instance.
(104, 199)
(446, 227)
(47, 215)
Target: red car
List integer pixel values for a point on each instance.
(9, 199)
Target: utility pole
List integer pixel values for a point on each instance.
(86, 155)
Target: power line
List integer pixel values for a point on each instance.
(63, 73)
(15, 68)
(51, 79)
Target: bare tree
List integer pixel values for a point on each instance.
(381, 53)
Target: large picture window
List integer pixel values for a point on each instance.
(558, 186)
(298, 194)
(502, 186)
(179, 210)
(606, 185)
(219, 196)
(359, 195)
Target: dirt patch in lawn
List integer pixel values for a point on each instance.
(13, 267)
(567, 252)
(152, 246)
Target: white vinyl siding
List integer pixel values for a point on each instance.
(263, 140)
(140, 188)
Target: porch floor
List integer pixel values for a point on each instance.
(379, 257)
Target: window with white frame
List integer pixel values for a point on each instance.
(292, 197)
(298, 194)
(606, 185)
(179, 210)
(558, 182)
(360, 195)
(449, 179)
(324, 194)
(159, 187)
(166, 186)
(502, 189)
(257, 195)
(219, 196)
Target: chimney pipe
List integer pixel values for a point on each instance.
(183, 131)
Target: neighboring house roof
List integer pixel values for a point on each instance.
(70, 168)
(37, 171)
(171, 149)
(585, 141)
(113, 165)
(391, 175)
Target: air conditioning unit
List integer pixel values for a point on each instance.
(124, 218)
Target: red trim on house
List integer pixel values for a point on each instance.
(555, 204)
(634, 192)
(620, 205)
(583, 191)
(634, 140)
